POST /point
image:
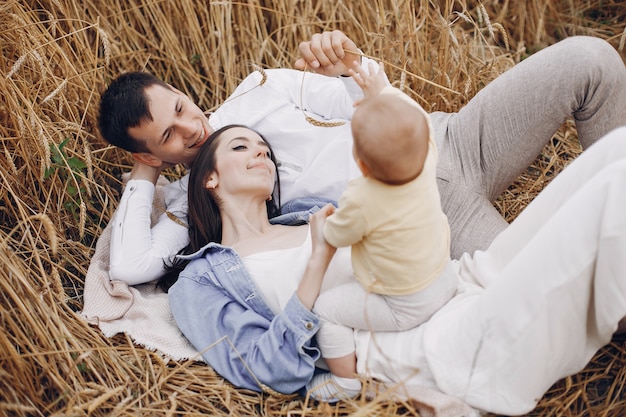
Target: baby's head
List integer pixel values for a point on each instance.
(390, 139)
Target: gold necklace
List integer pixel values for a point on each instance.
(308, 118)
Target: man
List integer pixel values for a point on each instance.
(483, 147)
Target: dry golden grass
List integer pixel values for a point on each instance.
(60, 182)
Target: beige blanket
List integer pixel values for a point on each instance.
(143, 313)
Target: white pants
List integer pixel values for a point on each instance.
(350, 306)
(536, 305)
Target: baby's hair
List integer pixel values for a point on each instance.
(391, 138)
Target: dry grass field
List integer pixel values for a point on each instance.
(60, 183)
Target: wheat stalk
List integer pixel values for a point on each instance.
(59, 55)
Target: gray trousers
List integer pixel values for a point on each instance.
(486, 145)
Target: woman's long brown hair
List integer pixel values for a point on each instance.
(203, 218)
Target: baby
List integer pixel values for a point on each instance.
(392, 219)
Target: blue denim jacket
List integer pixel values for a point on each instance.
(218, 308)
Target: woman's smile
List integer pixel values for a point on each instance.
(261, 165)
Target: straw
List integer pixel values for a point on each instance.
(60, 183)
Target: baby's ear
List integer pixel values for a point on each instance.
(147, 159)
(364, 169)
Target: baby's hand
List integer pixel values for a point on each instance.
(372, 83)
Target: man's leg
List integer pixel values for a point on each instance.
(499, 133)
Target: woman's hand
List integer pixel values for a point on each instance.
(316, 222)
(321, 255)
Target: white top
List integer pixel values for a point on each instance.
(277, 281)
(277, 273)
(313, 161)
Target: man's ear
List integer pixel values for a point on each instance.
(147, 159)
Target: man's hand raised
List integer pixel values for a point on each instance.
(328, 53)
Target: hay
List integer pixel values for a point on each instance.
(60, 182)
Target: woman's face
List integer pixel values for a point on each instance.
(242, 165)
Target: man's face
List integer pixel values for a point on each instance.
(177, 130)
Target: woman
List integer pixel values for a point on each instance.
(234, 195)
(531, 309)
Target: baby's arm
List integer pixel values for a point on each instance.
(371, 83)
(347, 225)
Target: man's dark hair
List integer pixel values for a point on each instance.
(123, 105)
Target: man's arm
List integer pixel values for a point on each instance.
(335, 55)
(142, 171)
(252, 102)
(139, 249)
(328, 53)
